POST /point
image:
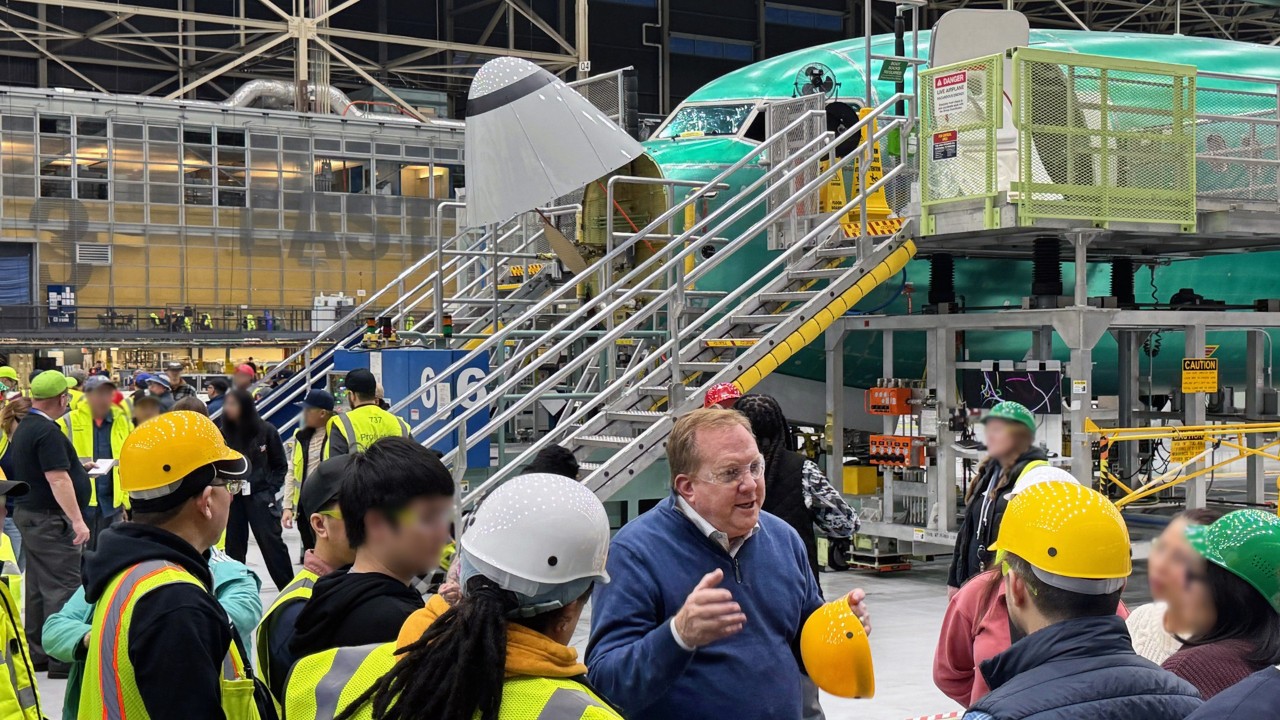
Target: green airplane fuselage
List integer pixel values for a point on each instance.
(1238, 279)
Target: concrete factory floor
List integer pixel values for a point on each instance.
(906, 610)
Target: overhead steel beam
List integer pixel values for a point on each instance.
(44, 53)
(242, 59)
(342, 58)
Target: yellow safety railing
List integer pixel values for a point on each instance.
(1207, 438)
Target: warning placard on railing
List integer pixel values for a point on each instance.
(1199, 375)
(949, 92)
(1185, 449)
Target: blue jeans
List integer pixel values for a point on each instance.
(16, 538)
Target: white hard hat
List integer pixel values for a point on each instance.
(1041, 474)
(544, 537)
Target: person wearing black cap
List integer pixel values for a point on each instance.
(257, 509)
(161, 646)
(308, 449)
(358, 428)
(177, 386)
(216, 389)
(318, 510)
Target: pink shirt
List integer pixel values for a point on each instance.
(971, 634)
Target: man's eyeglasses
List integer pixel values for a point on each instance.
(233, 486)
(335, 513)
(735, 474)
(409, 517)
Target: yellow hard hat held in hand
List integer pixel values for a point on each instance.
(836, 652)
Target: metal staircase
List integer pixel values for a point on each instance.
(693, 338)
(472, 264)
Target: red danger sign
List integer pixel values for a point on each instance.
(949, 92)
(955, 78)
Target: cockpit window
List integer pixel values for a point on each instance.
(703, 120)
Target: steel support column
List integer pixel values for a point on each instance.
(1193, 413)
(1256, 480)
(941, 368)
(835, 415)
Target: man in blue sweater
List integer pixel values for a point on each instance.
(703, 614)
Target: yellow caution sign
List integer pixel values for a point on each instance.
(1199, 375)
(1185, 449)
(625, 341)
(729, 343)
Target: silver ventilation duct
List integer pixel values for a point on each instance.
(280, 94)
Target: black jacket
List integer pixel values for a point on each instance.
(348, 609)
(784, 497)
(1257, 696)
(1082, 668)
(179, 635)
(982, 520)
(266, 457)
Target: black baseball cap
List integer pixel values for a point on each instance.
(173, 365)
(361, 381)
(322, 486)
(319, 399)
(15, 488)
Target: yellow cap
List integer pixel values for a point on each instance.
(165, 449)
(1068, 530)
(836, 652)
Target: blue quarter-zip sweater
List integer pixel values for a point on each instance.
(654, 563)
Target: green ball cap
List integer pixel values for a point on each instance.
(8, 373)
(1013, 412)
(50, 384)
(1247, 544)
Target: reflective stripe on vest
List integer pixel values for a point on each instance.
(566, 704)
(349, 429)
(106, 636)
(346, 661)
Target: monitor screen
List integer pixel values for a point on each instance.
(1039, 390)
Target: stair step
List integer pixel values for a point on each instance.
(613, 441)
(837, 252)
(702, 366)
(729, 342)
(654, 390)
(765, 319)
(639, 416)
(590, 466)
(786, 297)
(820, 274)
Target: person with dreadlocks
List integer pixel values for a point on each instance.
(529, 561)
(796, 489)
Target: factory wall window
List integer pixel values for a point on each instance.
(342, 175)
(17, 160)
(802, 18)
(74, 164)
(709, 47)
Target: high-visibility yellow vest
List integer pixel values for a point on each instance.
(78, 426)
(1031, 466)
(19, 696)
(365, 425)
(298, 590)
(110, 689)
(10, 573)
(324, 684)
(4, 443)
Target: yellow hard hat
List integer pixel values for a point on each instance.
(165, 449)
(1068, 530)
(836, 652)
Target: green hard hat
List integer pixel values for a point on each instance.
(1247, 544)
(1013, 412)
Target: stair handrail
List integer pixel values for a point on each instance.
(651, 307)
(697, 193)
(621, 387)
(301, 381)
(292, 391)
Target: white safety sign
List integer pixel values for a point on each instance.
(949, 92)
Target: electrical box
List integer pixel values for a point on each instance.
(898, 451)
(861, 480)
(889, 401)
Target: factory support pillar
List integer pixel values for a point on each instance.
(1194, 415)
(941, 369)
(1256, 480)
(835, 336)
(1080, 329)
(1128, 376)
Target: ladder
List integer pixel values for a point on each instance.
(781, 308)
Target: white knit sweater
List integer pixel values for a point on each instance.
(1150, 639)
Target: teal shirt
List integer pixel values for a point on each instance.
(234, 584)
